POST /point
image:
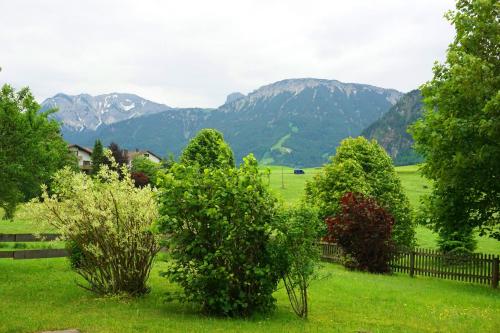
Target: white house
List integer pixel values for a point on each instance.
(144, 153)
(82, 155)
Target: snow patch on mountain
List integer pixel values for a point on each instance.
(86, 112)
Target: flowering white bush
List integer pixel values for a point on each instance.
(107, 222)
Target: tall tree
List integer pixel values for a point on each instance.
(97, 156)
(460, 132)
(31, 148)
(120, 155)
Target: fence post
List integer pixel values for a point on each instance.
(412, 263)
(494, 271)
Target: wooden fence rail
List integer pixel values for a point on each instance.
(476, 267)
(27, 237)
(34, 254)
(31, 254)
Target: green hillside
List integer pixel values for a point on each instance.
(391, 130)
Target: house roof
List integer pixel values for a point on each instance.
(136, 153)
(85, 149)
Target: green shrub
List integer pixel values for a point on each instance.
(107, 223)
(362, 166)
(297, 253)
(219, 222)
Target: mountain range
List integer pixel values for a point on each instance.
(296, 122)
(84, 112)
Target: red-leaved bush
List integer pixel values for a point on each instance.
(140, 179)
(363, 230)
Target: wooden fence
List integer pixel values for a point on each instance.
(27, 237)
(34, 254)
(475, 268)
(31, 254)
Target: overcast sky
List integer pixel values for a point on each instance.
(194, 53)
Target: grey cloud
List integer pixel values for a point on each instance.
(194, 53)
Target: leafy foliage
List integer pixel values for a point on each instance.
(297, 253)
(140, 179)
(209, 150)
(219, 221)
(362, 166)
(31, 148)
(363, 230)
(460, 133)
(120, 156)
(97, 157)
(144, 165)
(107, 223)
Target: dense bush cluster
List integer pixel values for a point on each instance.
(362, 166)
(229, 241)
(363, 230)
(107, 222)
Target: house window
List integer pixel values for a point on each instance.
(146, 155)
(86, 162)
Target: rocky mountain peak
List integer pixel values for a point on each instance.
(83, 111)
(296, 86)
(234, 97)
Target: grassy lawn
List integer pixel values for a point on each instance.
(288, 186)
(13, 246)
(21, 224)
(41, 295)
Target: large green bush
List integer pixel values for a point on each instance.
(362, 166)
(107, 223)
(219, 223)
